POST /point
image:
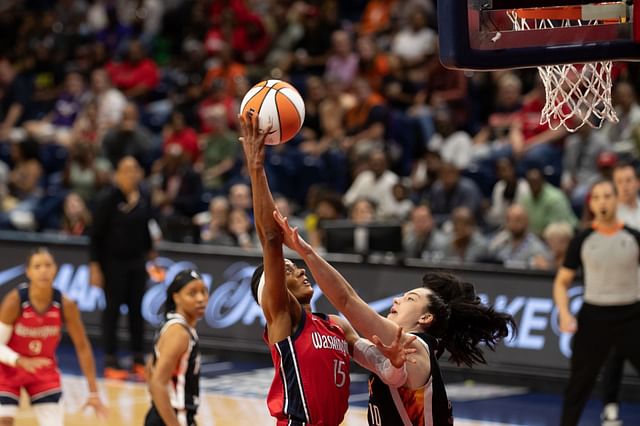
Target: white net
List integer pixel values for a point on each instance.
(576, 94)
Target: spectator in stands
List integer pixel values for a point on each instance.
(56, 125)
(376, 17)
(374, 63)
(24, 182)
(110, 102)
(545, 204)
(283, 204)
(625, 178)
(465, 244)
(219, 151)
(402, 204)
(137, 75)
(516, 246)
(213, 223)
(580, 169)
(508, 101)
(508, 190)
(176, 188)
(420, 236)
(451, 191)
(377, 183)
(416, 41)
(531, 141)
(240, 197)
(425, 172)
(342, 63)
(86, 174)
(227, 69)
(326, 206)
(86, 127)
(128, 138)
(76, 217)
(365, 122)
(444, 86)
(15, 99)
(241, 229)
(557, 236)
(455, 146)
(309, 54)
(176, 132)
(624, 134)
(120, 245)
(216, 97)
(362, 211)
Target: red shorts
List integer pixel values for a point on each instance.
(43, 383)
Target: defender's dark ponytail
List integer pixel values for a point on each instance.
(462, 322)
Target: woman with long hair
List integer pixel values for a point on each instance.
(443, 313)
(31, 320)
(175, 368)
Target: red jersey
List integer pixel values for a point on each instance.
(311, 382)
(37, 333)
(34, 334)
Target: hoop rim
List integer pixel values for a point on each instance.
(616, 11)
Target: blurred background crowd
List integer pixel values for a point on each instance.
(458, 159)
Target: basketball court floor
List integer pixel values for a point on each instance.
(234, 393)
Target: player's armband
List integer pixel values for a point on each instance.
(7, 355)
(367, 355)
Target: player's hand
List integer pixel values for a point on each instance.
(252, 140)
(33, 364)
(96, 404)
(399, 350)
(568, 323)
(292, 238)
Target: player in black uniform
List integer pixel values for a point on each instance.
(443, 314)
(175, 372)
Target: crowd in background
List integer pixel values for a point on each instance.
(460, 159)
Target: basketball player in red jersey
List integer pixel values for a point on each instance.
(31, 319)
(310, 352)
(444, 313)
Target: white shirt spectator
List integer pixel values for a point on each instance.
(379, 190)
(499, 205)
(110, 106)
(456, 149)
(629, 216)
(410, 45)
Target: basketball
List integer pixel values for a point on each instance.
(278, 104)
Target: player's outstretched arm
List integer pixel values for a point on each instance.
(274, 301)
(75, 328)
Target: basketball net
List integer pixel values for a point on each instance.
(576, 94)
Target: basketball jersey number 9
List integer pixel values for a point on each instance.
(339, 375)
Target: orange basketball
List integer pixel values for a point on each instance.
(276, 103)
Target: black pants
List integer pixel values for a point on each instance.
(125, 282)
(600, 329)
(612, 376)
(154, 419)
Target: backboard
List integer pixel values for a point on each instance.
(481, 35)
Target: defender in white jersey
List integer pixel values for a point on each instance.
(175, 370)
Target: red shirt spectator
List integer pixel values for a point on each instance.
(137, 75)
(177, 133)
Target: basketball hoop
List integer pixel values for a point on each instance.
(576, 94)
